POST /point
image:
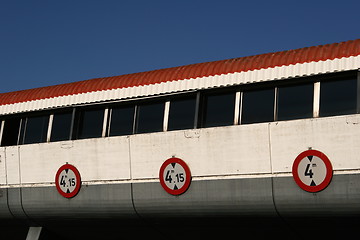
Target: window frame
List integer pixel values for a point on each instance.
(72, 111)
(203, 103)
(78, 117)
(24, 126)
(256, 89)
(299, 82)
(138, 112)
(110, 117)
(357, 95)
(19, 129)
(193, 96)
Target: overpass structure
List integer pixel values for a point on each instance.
(265, 145)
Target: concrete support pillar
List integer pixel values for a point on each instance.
(34, 233)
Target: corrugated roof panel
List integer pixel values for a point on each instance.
(268, 74)
(295, 60)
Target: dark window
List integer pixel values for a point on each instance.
(182, 113)
(338, 97)
(295, 102)
(36, 129)
(150, 117)
(90, 123)
(122, 119)
(219, 110)
(61, 127)
(11, 132)
(258, 106)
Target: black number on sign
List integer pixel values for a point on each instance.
(62, 181)
(72, 182)
(308, 172)
(180, 177)
(168, 177)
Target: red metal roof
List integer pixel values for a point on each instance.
(243, 64)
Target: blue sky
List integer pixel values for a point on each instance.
(48, 42)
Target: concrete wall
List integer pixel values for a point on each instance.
(240, 170)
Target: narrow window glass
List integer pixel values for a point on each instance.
(36, 129)
(295, 102)
(90, 123)
(258, 106)
(219, 110)
(122, 119)
(182, 113)
(338, 97)
(150, 117)
(11, 132)
(61, 126)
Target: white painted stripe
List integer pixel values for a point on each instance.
(48, 135)
(166, 116)
(1, 130)
(105, 121)
(316, 105)
(230, 79)
(237, 107)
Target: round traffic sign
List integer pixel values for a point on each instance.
(68, 181)
(312, 171)
(175, 176)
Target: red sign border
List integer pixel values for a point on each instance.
(329, 171)
(78, 180)
(187, 180)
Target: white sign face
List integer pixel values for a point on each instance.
(312, 171)
(68, 181)
(175, 176)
